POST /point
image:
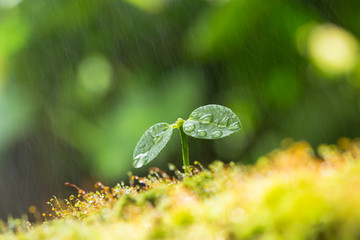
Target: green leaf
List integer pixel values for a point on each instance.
(151, 144)
(211, 122)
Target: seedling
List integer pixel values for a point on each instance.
(206, 122)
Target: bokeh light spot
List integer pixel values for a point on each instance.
(94, 75)
(332, 49)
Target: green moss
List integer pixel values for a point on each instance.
(289, 194)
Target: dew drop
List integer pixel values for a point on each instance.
(217, 134)
(224, 122)
(207, 118)
(201, 133)
(140, 160)
(194, 115)
(171, 167)
(234, 126)
(189, 127)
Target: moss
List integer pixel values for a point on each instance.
(289, 194)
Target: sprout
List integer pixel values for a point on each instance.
(206, 122)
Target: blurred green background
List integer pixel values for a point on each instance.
(81, 81)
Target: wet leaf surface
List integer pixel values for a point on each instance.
(151, 144)
(212, 122)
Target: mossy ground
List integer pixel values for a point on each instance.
(292, 193)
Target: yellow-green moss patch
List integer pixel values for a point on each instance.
(289, 194)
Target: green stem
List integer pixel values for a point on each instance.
(184, 145)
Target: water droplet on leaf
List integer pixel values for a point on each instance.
(201, 133)
(224, 122)
(217, 134)
(140, 159)
(157, 138)
(189, 127)
(194, 115)
(207, 118)
(234, 126)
